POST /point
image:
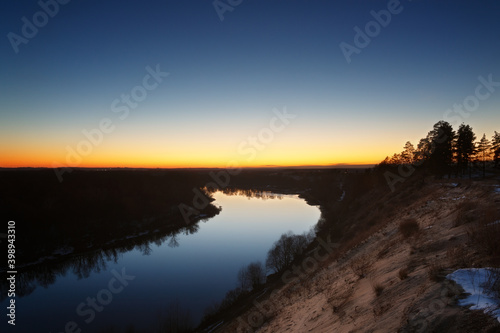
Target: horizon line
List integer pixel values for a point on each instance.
(305, 166)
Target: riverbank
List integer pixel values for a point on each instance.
(382, 280)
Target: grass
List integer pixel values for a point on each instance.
(435, 272)
(458, 256)
(466, 212)
(409, 227)
(493, 282)
(486, 236)
(360, 266)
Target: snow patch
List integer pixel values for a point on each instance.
(454, 199)
(342, 196)
(497, 189)
(475, 282)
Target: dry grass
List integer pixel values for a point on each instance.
(458, 256)
(435, 272)
(466, 212)
(387, 247)
(493, 282)
(380, 309)
(360, 266)
(486, 236)
(409, 227)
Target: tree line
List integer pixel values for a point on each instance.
(445, 151)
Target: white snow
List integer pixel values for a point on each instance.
(342, 196)
(475, 282)
(454, 199)
(497, 189)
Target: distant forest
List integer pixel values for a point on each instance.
(445, 151)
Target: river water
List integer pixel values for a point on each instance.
(138, 287)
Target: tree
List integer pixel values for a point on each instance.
(495, 147)
(424, 149)
(408, 154)
(395, 159)
(483, 150)
(252, 275)
(285, 250)
(464, 147)
(442, 141)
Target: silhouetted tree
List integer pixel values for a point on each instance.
(495, 147)
(252, 275)
(424, 149)
(442, 143)
(483, 150)
(408, 154)
(464, 147)
(284, 251)
(395, 159)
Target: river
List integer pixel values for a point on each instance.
(190, 271)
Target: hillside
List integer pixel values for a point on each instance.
(382, 281)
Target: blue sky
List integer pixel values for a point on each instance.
(226, 77)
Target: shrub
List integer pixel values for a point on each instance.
(285, 250)
(403, 273)
(252, 276)
(408, 227)
(434, 271)
(377, 287)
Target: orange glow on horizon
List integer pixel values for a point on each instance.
(42, 162)
(135, 154)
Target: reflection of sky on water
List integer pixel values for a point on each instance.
(200, 270)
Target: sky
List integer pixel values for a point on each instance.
(240, 82)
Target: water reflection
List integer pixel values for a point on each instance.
(196, 264)
(82, 265)
(249, 193)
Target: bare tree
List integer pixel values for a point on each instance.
(252, 275)
(285, 250)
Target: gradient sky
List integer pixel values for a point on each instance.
(226, 78)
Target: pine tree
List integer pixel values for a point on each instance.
(483, 150)
(495, 148)
(441, 157)
(464, 147)
(407, 156)
(424, 149)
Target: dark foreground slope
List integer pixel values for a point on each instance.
(380, 262)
